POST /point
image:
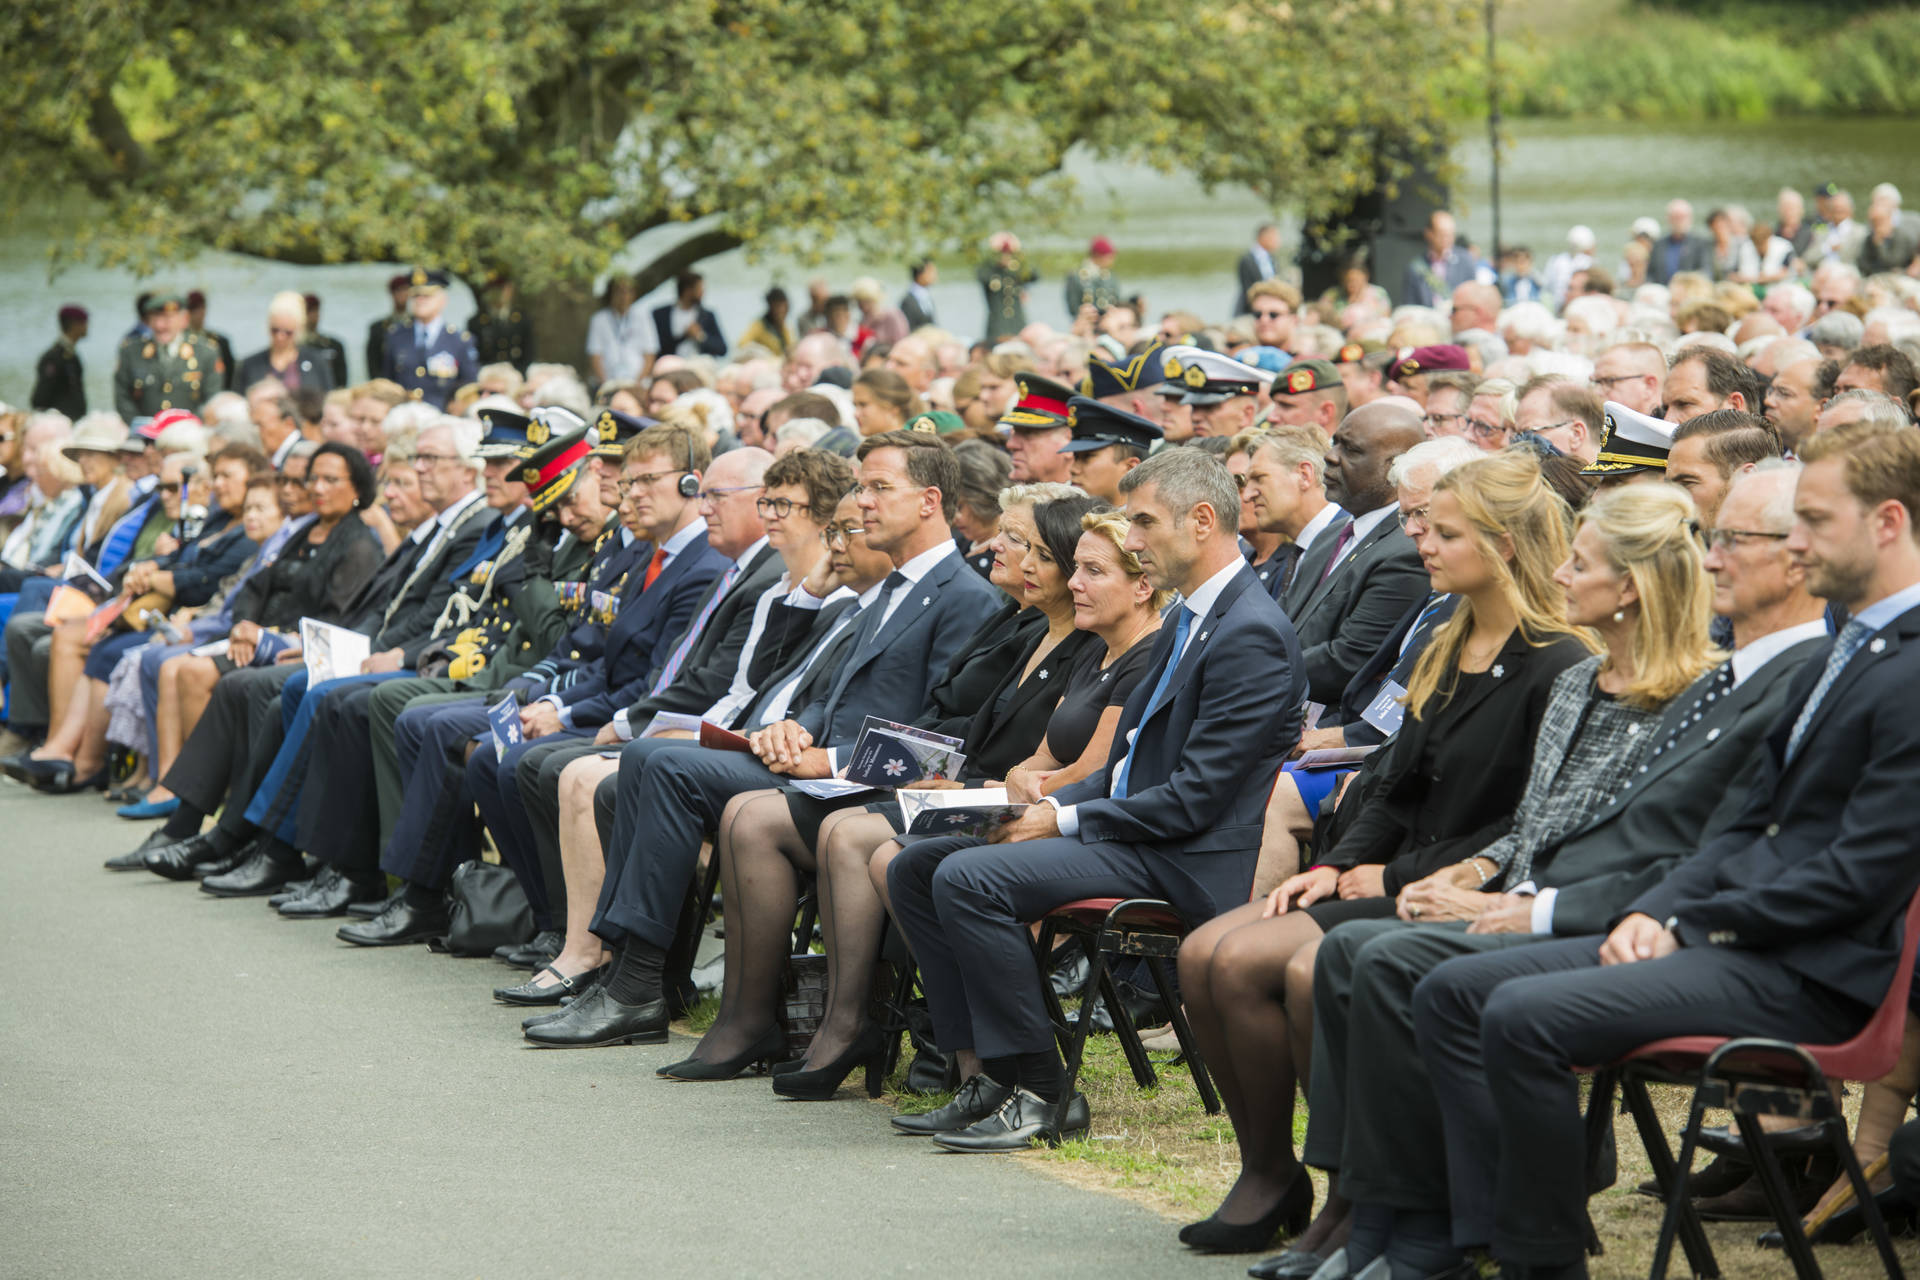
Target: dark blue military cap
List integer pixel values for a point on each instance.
(1096, 425)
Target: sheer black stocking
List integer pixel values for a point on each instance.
(851, 919)
(758, 850)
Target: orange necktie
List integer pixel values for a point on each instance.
(653, 566)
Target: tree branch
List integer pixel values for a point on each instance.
(682, 256)
(109, 129)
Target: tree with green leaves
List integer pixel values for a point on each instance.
(538, 138)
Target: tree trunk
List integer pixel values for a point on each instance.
(559, 315)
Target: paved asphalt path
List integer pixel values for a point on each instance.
(193, 1087)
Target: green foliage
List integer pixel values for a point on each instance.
(541, 136)
(1656, 64)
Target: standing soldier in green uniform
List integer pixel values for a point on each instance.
(197, 327)
(501, 332)
(58, 382)
(1005, 277)
(172, 369)
(1092, 283)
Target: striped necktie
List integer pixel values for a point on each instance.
(679, 656)
(1848, 643)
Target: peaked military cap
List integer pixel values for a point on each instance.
(1630, 441)
(1096, 425)
(1042, 405)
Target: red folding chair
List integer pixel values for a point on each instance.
(1752, 1077)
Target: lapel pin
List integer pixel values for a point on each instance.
(1203, 635)
(1498, 671)
(1044, 673)
(1878, 645)
(925, 601)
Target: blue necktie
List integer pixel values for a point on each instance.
(420, 336)
(1851, 637)
(1180, 630)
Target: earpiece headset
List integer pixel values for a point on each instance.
(689, 485)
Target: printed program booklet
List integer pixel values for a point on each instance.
(968, 811)
(887, 754)
(331, 652)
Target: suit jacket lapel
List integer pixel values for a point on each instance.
(1201, 630)
(1881, 645)
(918, 599)
(1508, 665)
(1364, 548)
(1313, 563)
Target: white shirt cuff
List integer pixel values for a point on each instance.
(801, 598)
(833, 761)
(1543, 910)
(566, 712)
(621, 729)
(1067, 816)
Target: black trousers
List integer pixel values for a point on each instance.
(1371, 1109)
(339, 809)
(670, 795)
(544, 880)
(1501, 1033)
(964, 907)
(232, 747)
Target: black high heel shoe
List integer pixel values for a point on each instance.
(820, 1085)
(768, 1046)
(1292, 1214)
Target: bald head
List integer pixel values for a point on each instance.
(1368, 441)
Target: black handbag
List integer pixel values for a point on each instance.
(488, 909)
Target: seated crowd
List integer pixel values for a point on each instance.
(1610, 665)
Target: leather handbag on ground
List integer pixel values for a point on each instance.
(488, 910)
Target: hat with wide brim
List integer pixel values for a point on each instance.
(101, 435)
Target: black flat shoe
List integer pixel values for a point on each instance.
(975, 1100)
(136, 860)
(260, 874)
(821, 1084)
(530, 993)
(1023, 1119)
(771, 1045)
(597, 1019)
(399, 924)
(57, 777)
(1292, 1213)
(18, 766)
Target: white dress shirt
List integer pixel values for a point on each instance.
(1316, 526)
(1362, 526)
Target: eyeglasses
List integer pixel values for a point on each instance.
(168, 488)
(879, 489)
(1441, 419)
(1272, 315)
(714, 495)
(1724, 538)
(1554, 426)
(645, 480)
(1417, 516)
(424, 460)
(1480, 430)
(778, 508)
(1606, 384)
(290, 482)
(841, 535)
(1015, 541)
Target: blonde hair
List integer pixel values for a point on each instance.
(55, 464)
(1648, 533)
(1112, 525)
(1290, 445)
(288, 305)
(1503, 495)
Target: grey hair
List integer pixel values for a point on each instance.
(467, 434)
(1508, 396)
(1882, 409)
(1779, 509)
(564, 393)
(801, 431)
(1185, 478)
(1836, 329)
(1035, 492)
(1436, 457)
(1292, 446)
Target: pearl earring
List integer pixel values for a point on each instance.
(1619, 615)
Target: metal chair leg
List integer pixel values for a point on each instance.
(1183, 1032)
(1679, 1219)
(1773, 1183)
(1876, 1222)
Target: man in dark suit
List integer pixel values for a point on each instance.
(1176, 814)
(1680, 249)
(1256, 264)
(1361, 575)
(576, 696)
(686, 328)
(1372, 1114)
(1285, 492)
(1786, 924)
(58, 380)
(1432, 275)
(670, 796)
(428, 357)
(699, 664)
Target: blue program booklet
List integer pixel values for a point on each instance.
(504, 716)
(887, 754)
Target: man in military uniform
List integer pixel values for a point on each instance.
(1129, 386)
(58, 381)
(171, 369)
(1222, 393)
(197, 327)
(502, 333)
(1092, 283)
(332, 348)
(1036, 430)
(1107, 443)
(428, 357)
(1005, 277)
(380, 329)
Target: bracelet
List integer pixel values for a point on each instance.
(1484, 875)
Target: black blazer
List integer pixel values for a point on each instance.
(406, 613)
(1342, 619)
(316, 369)
(1205, 760)
(1448, 782)
(1686, 794)
(641, 637)
(1388, 663)
(309, 581)
(711, 343)
(1819, 866)
(979, 668)
(710, 664)
(1012, 720)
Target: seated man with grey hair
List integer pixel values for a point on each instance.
(1176, 813)
(1862, 405)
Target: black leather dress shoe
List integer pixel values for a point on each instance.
(259, 875)
(186, 859)
(597, 1019)
(1846, 1226)
(1294, 1264)
(330, 894)
(1143, 1009)
(368, 910)
(975, 1100)
(136, 860)
(401, 923)
(535, 953)
(1023, 1119)
(289, 891)
(1725, 1140)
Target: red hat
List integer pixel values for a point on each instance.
(168, 418)
(1446, 357)
(402, 281)
(73, 314)
(1100, 245)
(312, 301)
(196, 300)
